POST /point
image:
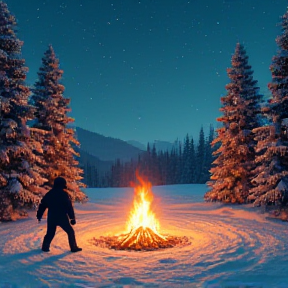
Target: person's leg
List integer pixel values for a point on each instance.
(65, 225)
(51, 230)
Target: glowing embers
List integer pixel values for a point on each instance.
(142, 225)
(143, 239)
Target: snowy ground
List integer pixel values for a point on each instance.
(230, 246)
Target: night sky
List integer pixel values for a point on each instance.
(147, 70)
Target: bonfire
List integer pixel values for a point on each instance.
(142, 225)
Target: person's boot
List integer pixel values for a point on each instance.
(73, 243)
(45, 246)
(76, 249)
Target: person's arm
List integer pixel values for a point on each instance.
(70, 209)
(41, 209)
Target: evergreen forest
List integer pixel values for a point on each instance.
(245, 160)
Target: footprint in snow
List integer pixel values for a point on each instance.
(127, 281)
(110, 259)
(168, 260)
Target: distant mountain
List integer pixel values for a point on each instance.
(137, 144)
(163, 145)
(86, 158)
(105, 148)
(159, 145)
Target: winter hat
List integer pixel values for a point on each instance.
(60, 182)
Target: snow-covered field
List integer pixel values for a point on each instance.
(230, 246)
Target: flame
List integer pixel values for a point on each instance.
(142, 225)
(141, 214)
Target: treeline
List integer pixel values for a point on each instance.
(186, 163)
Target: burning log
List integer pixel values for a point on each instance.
(123, 242)
(143, 239)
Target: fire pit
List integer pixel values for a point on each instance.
(143, 226)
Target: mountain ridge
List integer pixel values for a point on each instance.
(106, 148)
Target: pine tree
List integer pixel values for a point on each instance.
(231, 176)
(116, 173)
(200, 157)
(51, 117)
(154, 169)
(127, 175)
(271, 184)
(163, 166)
(185, 175)
(208, 155)
(95, 177)
(144, 162)
(19, 172)
(192, 164)
(179, 164)
(88, 174)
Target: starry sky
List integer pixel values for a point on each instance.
(150, 69)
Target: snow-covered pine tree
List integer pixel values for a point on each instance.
(230, 180)
(271, 182)
(51, 116)
(19, 173)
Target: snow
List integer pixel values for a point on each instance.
(231, 246)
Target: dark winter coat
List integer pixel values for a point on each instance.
(58, 203)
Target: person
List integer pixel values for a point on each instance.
(60, 210)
